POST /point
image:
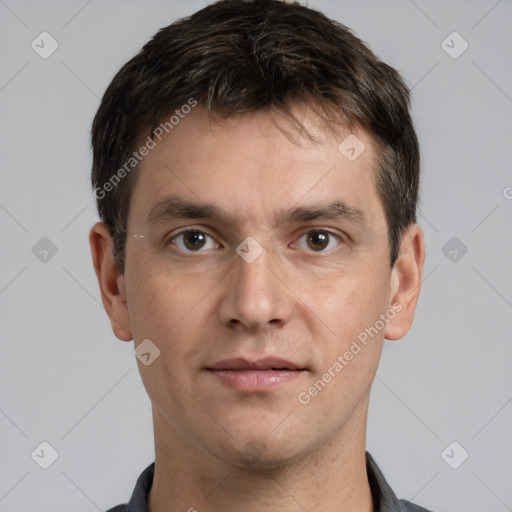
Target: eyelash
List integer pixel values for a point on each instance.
(317, 230)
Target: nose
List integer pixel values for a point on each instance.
(257, 296)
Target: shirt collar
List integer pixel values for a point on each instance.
(384, 499)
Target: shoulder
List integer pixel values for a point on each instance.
(119, 508)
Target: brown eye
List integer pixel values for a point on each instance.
(193, 240)
(318, 240)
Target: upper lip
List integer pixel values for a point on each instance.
(268, 363)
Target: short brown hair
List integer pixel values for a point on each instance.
(237, 56)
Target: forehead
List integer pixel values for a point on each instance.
(254, 166)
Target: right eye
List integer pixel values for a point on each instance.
(193, 240)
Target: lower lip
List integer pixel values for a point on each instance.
(255, 380)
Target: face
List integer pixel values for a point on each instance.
(259, 268)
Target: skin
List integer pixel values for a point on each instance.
(217, 447)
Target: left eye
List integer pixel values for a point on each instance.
(318, 240)
(192, 240)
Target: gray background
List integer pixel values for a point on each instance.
(65, 378)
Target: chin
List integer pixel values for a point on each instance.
(257, 454)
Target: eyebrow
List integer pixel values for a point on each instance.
(176, 207)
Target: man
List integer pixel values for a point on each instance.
(256, 171)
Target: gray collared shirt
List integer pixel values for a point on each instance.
(384, 498)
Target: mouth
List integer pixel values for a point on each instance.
(259, 375)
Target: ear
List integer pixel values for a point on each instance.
(406, 282)
(110, 280)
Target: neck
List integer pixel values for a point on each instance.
(330, 478)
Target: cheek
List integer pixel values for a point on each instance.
(161, 306)
(159, 296)
(171, 312)
(349, 349)
(168, 312)
(348, 357)
(349, 304)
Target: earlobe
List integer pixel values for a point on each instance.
(110, 281)
(405, 282)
